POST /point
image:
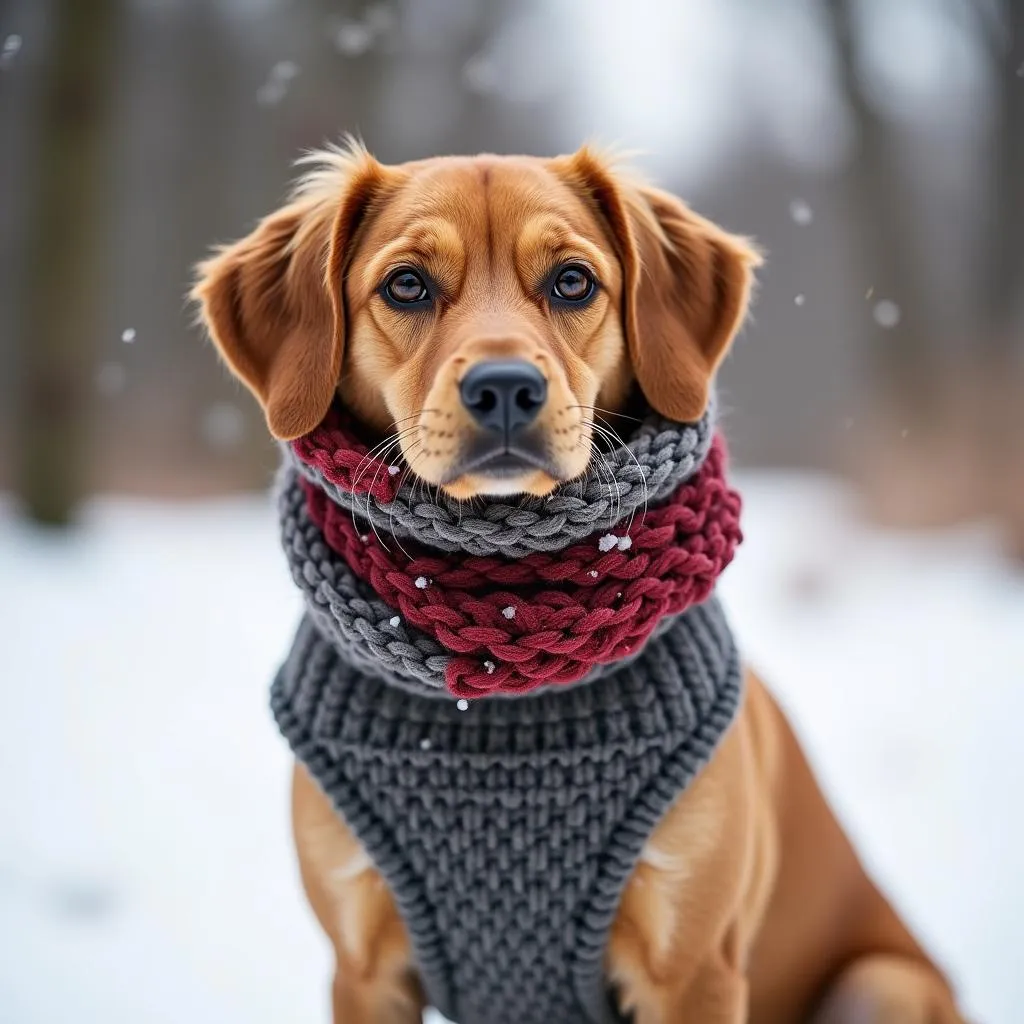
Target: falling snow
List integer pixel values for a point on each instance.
(887, 314)
(275, 87)
(463, 704)
(480, 74)
(610, 541)
(395, 620)
(422, 583)
(509, 612)
(12, 44)
(801, 212)
(424, 744)
(223, 426)
(800, 299)
(128, 335)
(353, 38)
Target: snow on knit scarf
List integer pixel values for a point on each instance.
(503, 596)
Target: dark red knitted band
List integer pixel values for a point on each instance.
(334, 450)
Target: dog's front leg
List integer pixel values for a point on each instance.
(363, 1001)
(374, 981)
(714, 993)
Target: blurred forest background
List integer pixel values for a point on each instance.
(875, 148)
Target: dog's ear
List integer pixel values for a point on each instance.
(273, 302)
(686, 285)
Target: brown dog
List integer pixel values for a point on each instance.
(386, 285)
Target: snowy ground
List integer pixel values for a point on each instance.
(146, 873)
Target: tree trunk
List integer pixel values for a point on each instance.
(1001, 427)
(63, 253)
(901, 356)
(1003, 280)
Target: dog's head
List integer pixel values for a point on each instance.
(486, 311)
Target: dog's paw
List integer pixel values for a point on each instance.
(889, 990)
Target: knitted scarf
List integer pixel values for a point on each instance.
(504, 597)
(507, 828)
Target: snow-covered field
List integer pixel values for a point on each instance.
(146, 873)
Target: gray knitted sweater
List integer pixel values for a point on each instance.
(505, 827)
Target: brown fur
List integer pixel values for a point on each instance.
(748, 901)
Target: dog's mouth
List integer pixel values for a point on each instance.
(504, 460)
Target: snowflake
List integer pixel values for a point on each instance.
(394, 620)
(887, 314)
(422, 583)
(424, 744)
(607, 542)
(223, 426)
(509, 612)
(489, 665)
(275, 87)
(800, 299)
(12, 44)
(394, 470)
(462, 705)
(592, 574)
(128, 335)
(353, 39)
(801, 212)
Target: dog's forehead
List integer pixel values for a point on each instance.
(483, 194)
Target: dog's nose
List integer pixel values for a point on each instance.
(503, 395)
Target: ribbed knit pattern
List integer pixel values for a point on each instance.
(507, 825)
(506, 832)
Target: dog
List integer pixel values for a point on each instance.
(383, 287)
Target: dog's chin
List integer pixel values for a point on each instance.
(501, 483)
(489, 468)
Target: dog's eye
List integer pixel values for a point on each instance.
(573, 284)
(405, 287)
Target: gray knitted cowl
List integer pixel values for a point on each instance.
(504, 750)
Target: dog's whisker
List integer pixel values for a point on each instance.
(410, 457)
(603, 435)
(596, 409)
(379, 451)
(413, 416)
(613, 439)
(600, 463)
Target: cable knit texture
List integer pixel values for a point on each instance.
(658, 457)
(502, 699)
